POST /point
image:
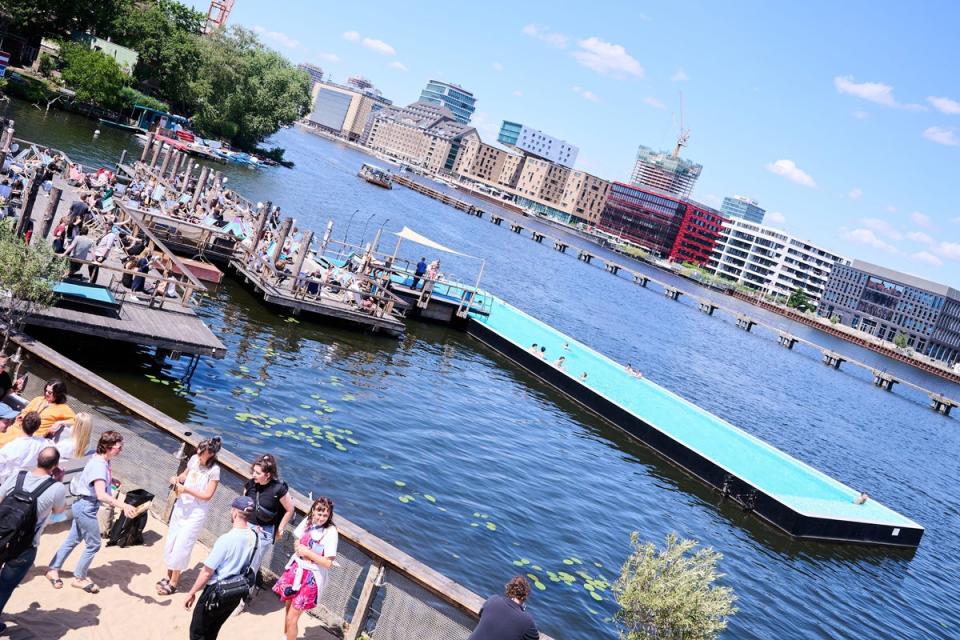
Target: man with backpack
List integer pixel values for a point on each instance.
(28, 499)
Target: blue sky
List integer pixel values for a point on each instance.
(842, 119)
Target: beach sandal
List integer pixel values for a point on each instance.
(90, 586)
(167, 589)
(56, 583)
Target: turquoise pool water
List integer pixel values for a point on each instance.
(801, 487)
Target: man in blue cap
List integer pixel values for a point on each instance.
(230, 556)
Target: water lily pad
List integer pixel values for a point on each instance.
(315, 396)
(327, 408)
(260, 383)
(474, 524)
(348, 397)
(567, 561)
(400, 483)
(293, 321)
(304, 406)
(269, 434)
(588, 586)
(340, 447)
(165, 383)
(441, 508)
(406, 498)
(491, 526)
(518, 563)
(426, 496)
(352, 441)
(289, 420)
(596, 596)
(539, 585)
(385, 467)
(476, 514)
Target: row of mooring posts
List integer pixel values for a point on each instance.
(174, 165)
(881, 380)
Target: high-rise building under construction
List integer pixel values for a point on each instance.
(665, 171)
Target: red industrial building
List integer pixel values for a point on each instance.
(670, 226)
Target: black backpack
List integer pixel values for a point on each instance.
(18, 518)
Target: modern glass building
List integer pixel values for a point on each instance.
(537, 143)
(330, 108)
(744, 208)
(460, 101)
(885, 303)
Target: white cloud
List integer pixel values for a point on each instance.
(328, 57)
(586, 95)
(789, 170)
(775, 217)
(679, 75)
(869, 238)
(399, 66)
(948, 250)
(882, 227)
(871, 91)
(942, 135)
(379, 46)
(929, 258)
(545, 34)
(653, 102)
(956, 220)
(712, 200)
(485, 125)
(277, 37)
(855, 193)
(497, 66)
(945, 105)
(921, 219)
(861, 115)
(518, 93)
(607, 58)
(351, 36)
(891, 209)
(919, 236)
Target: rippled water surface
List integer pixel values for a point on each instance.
(445, 449)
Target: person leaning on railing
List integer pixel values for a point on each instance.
(273, 504)
(52, 407)
(505, 617)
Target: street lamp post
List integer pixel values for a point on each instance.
(346, 230)
(363, 234)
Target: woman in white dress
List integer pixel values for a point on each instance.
(195, 487)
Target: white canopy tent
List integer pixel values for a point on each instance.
(409, 234)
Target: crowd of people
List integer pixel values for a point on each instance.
(46, 432)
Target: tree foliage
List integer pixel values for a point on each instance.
(27, 277)
(165, 36)
(671, 594)
(95, 76)
(130, 97)
(36, 19)
(246, 91)
(798, 300)
(900, 340)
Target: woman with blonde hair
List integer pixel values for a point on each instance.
(74, 442)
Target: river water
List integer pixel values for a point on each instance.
(445, 449)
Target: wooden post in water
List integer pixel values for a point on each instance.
(27, 210)
(326, 237)
(156, 153)
(199, 188)
(185, 179)
(175, 167)
(166, 162)
(305, 243)
(216, 180)
(261, 222)
(52, 203)
(146, 148)
(284, 232)
(5, 143)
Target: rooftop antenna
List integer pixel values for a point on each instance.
(684, 133)
(217, 15)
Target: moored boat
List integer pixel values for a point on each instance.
(376, 175)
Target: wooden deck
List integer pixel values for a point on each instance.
(329, 307)
(164, 324)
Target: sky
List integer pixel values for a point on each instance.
(841, 119)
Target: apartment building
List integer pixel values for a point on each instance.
(423, 134)
(537, 143)
(771, 260)
(343, 110)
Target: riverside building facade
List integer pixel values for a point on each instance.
(885, 303)
(666, 172)
(343, 110)
(423, 134)
(454, 97)
(668, 226)
(772, 261)
(537, 143)
(742, 207)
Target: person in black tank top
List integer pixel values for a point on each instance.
(273, 505)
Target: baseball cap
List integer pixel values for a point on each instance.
(243, 503)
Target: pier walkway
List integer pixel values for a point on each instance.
(789, 494)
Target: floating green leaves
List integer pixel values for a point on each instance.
(426, 496)
(400, 483)
(405, 498)
(292, 321)
(349, 397)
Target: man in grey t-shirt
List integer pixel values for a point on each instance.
(52, 500)
(79, 249)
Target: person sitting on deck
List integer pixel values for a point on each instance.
(74, 442)
(52, 407)
(75, 176)
(21, 453)
(8, 386)
(144, 264)
(369, 305)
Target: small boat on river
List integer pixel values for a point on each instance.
(376, 175)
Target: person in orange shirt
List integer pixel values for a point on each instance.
(53, 410)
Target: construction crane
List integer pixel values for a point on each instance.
(217, 15)
(684, 134)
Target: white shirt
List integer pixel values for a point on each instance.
(324, 542)
(198, 477)
(20, 454)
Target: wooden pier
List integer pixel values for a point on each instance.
(164, 318)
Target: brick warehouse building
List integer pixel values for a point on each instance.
(670, 226)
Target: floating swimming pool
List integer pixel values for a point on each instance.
(777, 487)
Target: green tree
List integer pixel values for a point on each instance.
(95, 76)
(130, 97)
(246, 91)
(28, 275)
(35, 19)
(798, 300)
(900, 340)
(165, 35)
(670, 594)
